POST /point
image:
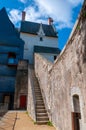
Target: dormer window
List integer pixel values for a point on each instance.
(41, 38)
(12, 59)
(41, 33)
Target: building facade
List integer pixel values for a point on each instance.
(35, 34)
(11, 51)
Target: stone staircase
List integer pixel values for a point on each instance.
(41, 113)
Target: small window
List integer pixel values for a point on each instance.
(41, 38)
(12, 58)
(55, 57)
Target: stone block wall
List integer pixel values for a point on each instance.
(65, 78)
(31, 94)
(21, 85)
(42, 67)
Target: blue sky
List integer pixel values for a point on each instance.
(63, 12)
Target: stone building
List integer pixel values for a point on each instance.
(52, 91)
(11, 51)
(41, 35)
(39, 38)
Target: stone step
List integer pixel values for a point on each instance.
(36, 85)
(42, 122)
(38, 95)
(42, 114)
(40, 105)
(39, 100)
(43, 118)
(40, 110)
(37, 92)
(36, 89)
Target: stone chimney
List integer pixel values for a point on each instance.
(23, 15)
(50, 21)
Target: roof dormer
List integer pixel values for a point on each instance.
(41, 31)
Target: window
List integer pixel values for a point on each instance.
(55, 57)
(41, 38)
(76, 103)
(12, 58)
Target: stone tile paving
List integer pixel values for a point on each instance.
(19, 120)
(7, 122)
(24, 122)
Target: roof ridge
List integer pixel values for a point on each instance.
(35, 23)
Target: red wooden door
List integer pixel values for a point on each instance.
(23, 101)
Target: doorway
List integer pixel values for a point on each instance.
(76, 115)
(8, 98)
(23, 100)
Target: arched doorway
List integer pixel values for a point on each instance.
(76, 115)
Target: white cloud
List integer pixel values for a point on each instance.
(15, 16)
(33, 15)
(61, 12)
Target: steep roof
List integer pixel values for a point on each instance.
(42, 49)
(33, 28)
(8, 33)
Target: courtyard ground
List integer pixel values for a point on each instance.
(19, 120)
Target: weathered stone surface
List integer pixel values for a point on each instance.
(65, 78)
(21, 86)
(31, 93)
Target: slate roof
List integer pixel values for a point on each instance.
(33, 28)
(8, 33)
(42, 49)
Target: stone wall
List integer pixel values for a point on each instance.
(42, 67)
(66, 78)
(31, 94)
(21, 85)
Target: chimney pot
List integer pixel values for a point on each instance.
(50, 21)
(23, 15)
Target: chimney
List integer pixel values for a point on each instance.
(23, 15)
(50, 21)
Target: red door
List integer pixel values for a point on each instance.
(23, 101)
